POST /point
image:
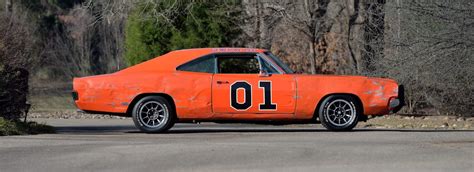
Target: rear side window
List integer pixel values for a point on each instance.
(206, 64)
(238, 64)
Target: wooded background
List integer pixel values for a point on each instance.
(425, 45)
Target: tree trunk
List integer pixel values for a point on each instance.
(312, 56)
(258, 33)
(8, 7)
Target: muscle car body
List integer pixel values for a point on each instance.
(215, 96)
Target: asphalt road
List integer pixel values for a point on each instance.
(115, 145)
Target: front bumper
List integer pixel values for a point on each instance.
(396, 104)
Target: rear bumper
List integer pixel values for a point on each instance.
(397, 103)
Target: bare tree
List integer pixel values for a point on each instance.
(91, 40)
(15, 40)
(15, 59)
(8, 7)
(431, 51)
(337, 36)
(308, 17)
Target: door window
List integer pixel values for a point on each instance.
(238, 64)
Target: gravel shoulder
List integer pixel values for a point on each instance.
(420, 122)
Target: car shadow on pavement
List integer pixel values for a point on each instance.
(289, 130)
(411, 130)
(216, 129)
(94, 129)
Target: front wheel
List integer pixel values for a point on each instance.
(339, 113)
(153, 114)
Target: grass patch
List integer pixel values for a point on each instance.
(20, 128)
(51, 102)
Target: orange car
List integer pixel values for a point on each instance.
(233, 85)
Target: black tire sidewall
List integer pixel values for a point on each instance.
(324, 106)
(168, 123)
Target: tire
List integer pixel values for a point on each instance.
(339, 113)
(153, 114)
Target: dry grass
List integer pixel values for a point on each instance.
(51, 97)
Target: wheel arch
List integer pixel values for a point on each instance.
(142, 95)
(358, 102)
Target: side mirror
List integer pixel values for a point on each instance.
(264, 73)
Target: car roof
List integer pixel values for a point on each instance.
(171, 60)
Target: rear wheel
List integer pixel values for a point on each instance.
(153, 114)
(339, 113)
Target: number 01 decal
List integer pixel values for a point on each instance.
(247, 102)
(247, 96)
(267, 96)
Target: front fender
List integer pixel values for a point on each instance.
(374, 93)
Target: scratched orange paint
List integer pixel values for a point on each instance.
(197, 96)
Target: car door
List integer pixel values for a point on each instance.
(240, 87)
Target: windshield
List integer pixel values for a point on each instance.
(279, 63)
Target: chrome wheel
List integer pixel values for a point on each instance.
(153, 114)
(340, 113)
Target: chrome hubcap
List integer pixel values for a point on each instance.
(340, 112)
(153, 114)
